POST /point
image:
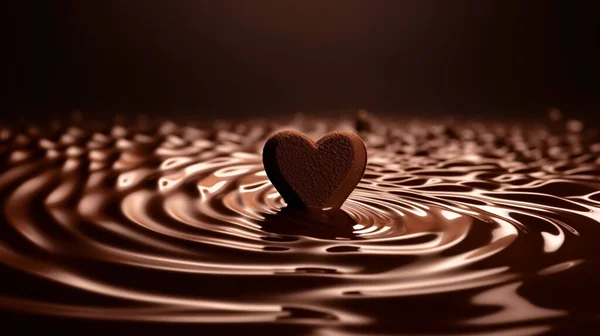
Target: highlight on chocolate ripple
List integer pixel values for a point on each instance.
(474, 228)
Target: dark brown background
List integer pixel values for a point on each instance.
(220, 58)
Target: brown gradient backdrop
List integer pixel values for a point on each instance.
(253, 56)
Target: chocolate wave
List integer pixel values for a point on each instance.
(467, 228)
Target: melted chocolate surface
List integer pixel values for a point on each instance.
(464, 228)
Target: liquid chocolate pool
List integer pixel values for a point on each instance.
(458, 228)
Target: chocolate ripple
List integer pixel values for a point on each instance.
(467, 229)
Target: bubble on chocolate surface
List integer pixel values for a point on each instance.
(462, 227)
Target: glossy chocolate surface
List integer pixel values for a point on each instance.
(470, 228)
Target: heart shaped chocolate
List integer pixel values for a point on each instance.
(311, 174)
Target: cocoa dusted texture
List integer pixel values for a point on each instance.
(311, 174)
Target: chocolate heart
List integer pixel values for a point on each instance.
(311, 174)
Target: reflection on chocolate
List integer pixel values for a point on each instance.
(477, 228)
(332, 224)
